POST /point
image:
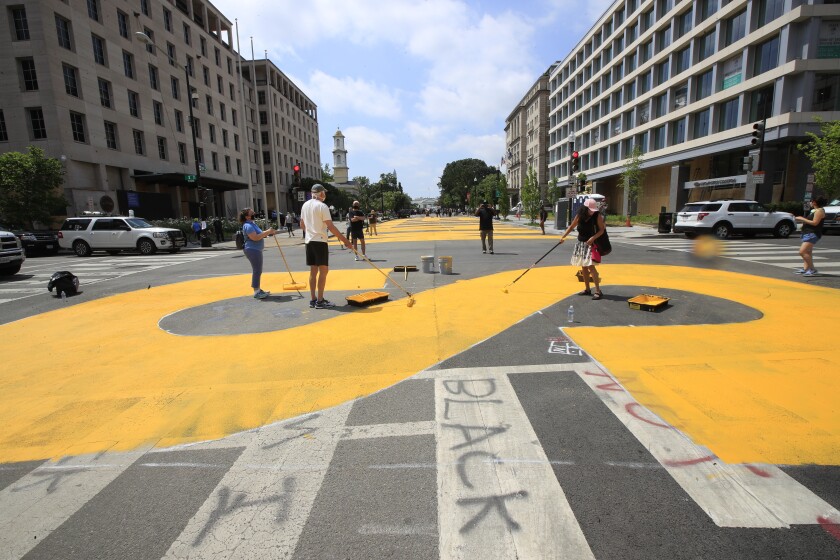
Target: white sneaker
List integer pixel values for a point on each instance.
(799, 271)
(356, 258)
(812, 272)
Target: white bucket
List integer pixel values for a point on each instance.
(427, 264)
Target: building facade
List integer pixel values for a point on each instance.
(526, 139)
(686, 82)
(103, 85)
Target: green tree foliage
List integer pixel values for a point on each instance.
(460, 177)
(529, 194)
(336, 198)
(504, 198)
(633, 177)
(29, 187)
(554, 191)
(366, 191)
(824, 153)
(327, 174)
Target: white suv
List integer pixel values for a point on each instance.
(725, 217)
(832, 216)
(117, 233)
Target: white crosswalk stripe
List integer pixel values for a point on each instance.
(782, 256)
(92, 271)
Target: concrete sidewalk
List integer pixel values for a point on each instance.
(636, 230)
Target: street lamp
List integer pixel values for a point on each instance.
(146, 40)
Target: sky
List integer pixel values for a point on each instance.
(412, 84)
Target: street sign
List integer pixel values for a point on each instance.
(189, 178)
(758, 177)
(301, 196)
(202, 167)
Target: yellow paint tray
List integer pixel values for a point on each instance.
(367, 298)
(648, 302)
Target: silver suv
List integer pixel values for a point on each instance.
(725, 217)
(117, 233)
(11, 253)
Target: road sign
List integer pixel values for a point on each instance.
(189, 178)
(758, 177)
(202, 167)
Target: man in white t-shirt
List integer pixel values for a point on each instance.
(316, 223)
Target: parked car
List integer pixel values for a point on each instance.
(117, 233)
(831, 221)
(12, 254)
(725, 217)
(38, 242)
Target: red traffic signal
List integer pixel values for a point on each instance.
(296, 169)
(575, 163)
(575, 155)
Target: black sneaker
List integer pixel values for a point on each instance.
(324, 304)
(312, 302)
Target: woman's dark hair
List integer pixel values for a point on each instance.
(243, 216)
(583, 212)
(820, 201)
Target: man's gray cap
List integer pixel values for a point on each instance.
(318, 188)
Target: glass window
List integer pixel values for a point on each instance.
(21, 23)
(707, 8)
(105, 93)
(645, 82)
(728, 117)
(139, 142)
(111, 135)
(98, 49)
(768, 10)
(706, 45)
(736, 27)
(212, 130)
(826, 92)
(176, 88)
(646, 51)
(133, 104)
(701, 123)
(122, 23)
(93, 9)
(664, 38)
(660, 105)
(29, 74)
(683, 60)
(766, 56)
(153, 78)
(182, 152)
(62, 29)
(161, 142)
(663, 72)
(684, 23)
(203, 42)
(4, 134)
(703, 85)
(37, 126)
(659, 138)
(678, 132)
(761, 104)
(71, 80)
(77, 125)
(170, 53)
(179, 121)
(167, 20)
(157, 109)
(665, 6)
(680, 96)
(150, 48)
(128, 64)
(187, 34)
(144, 7)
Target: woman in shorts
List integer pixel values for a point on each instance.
(590, 226)
(812, 228)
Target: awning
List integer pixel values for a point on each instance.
(179, 179)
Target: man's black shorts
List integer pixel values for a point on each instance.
(317, 253)
(357, 234)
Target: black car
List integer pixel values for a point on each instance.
(36, 242)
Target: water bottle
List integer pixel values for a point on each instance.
(63, 297)
(571, 314)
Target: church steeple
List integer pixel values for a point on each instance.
(340, 169)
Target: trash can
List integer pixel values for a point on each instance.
(240, 240)
(666, 220)
(445, 265)
(205, 240)
(427, 264)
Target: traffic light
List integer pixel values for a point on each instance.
(747, 163)
(575, 161)
(296, 176)
(758, 135)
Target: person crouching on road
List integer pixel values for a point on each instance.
(254, 244)
(812, 228)
(590, 226)
(315, 222)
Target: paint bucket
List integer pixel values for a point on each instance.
(427, 264)
(445, 265)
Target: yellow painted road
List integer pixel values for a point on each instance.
(78, 380)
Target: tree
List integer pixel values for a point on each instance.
(633, 179)
(824, 153)
(460, 177)
(529, 194)
(365, 191)
(29, 187)
(504, 198)
(326, 174)
(554, 192)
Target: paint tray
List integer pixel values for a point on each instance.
(367, 298)
(405, 268)
(648, 302)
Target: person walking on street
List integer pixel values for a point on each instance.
(590, 226)
(290, 224)
(316, 222)
(812, 228)
(254, 245)
(543, 216)
(219, 230)
(357, 227)
(281, 219)
(196, 227)
(485, 226)
(372, 220)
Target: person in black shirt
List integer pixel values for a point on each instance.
(543, 216)
(590, 226)
(485, 225)
(357, 227)
(812, 230)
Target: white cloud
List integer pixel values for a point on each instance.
(367, 141)
(486, 147)
(339, 94)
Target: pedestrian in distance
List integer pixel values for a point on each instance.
(812, 229)
(254, 245)
(196, 228)
(372, 219)
(590, 226)
(316, 223)
(543, 216)
(290, 224)
(357, 228)
(281, 219)
(485, 215)
(219, 230)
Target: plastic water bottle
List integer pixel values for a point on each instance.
(63, 297)
(571, 313)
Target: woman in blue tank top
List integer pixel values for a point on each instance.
(812, 228)
(254, 244)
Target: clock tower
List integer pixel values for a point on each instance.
(340, 169)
